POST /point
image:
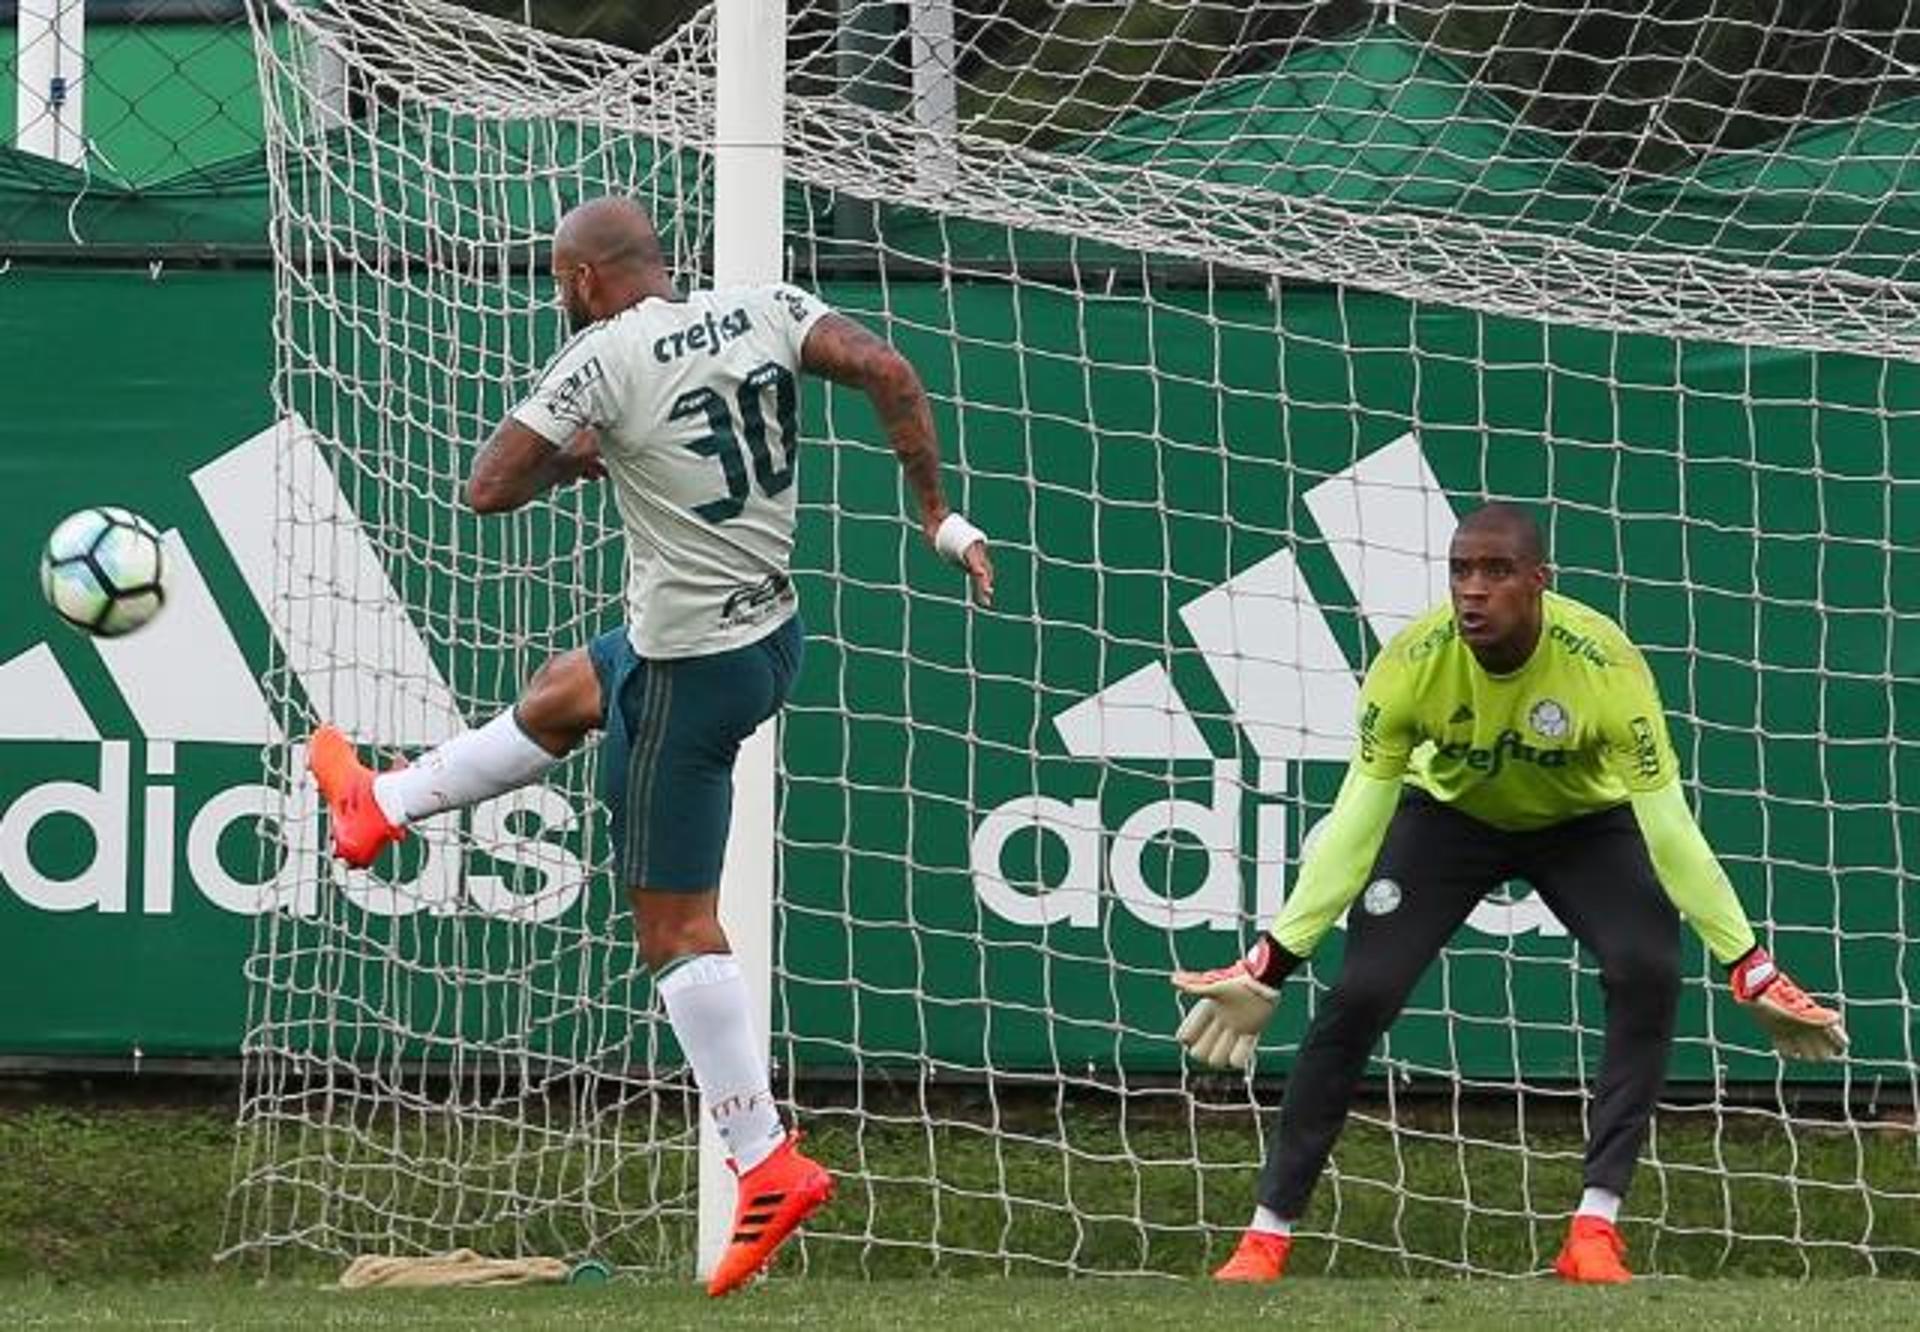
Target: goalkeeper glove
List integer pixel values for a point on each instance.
(1800, 1027)
(1235, 1005)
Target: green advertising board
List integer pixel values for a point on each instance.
(999, 830)
(118, 386)
(978, 874)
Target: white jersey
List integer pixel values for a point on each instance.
(697, 404)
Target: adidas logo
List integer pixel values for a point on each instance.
(1292, 693)
(184, 677)
(1265, 638)
(1461, 716)
(194, 700)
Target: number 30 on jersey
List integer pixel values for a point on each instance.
(722, 440)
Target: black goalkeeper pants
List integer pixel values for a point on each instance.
(1596, 876)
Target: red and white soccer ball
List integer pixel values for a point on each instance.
(104, 571)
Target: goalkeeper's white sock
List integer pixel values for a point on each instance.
(1269, 1222)
(469, 768)
(706, 1000)
(1603, 1203)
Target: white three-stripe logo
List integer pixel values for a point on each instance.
(343, 627)
(1265, 638)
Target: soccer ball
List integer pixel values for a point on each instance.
(104, 571)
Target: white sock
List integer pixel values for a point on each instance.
(473, 765)
(1267, 1222)
(706, 1001)
(1603, 1203)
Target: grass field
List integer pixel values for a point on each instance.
(976, 1305)
(109, 1213)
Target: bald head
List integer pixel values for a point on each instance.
(609, 233)
(606, 258)
(1513, 523)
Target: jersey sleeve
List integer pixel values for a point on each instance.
(575, 392)
(1690, 874)
(792, 313)
(1634, 725)
(1386, 718)
(1344, 849)
(1641, 754)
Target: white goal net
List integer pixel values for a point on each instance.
(1226, 310)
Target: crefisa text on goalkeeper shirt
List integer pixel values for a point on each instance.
(1578, 728)
(697, 407)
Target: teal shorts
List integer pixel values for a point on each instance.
(672, 729)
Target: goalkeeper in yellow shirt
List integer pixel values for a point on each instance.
(1512, 733)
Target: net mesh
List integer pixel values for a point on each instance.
(1225, 312)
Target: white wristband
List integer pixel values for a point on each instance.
(954, 538)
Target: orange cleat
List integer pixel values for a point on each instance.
(1594, 1253)
(360, 830)
(1260, 1257)
(775, 1197)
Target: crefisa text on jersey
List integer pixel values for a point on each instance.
(709, 336)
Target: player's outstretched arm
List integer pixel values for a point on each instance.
(1687, 869)
(1236, 1002)
(1691, 875)
(839, 349)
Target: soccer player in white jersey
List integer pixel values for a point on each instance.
(689, 406)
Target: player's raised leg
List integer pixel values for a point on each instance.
(674, 729)
(1596, 875)
(370, 811)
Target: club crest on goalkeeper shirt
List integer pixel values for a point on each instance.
(1547, 718)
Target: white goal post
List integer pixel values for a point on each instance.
(749, 181)
(1226, 311)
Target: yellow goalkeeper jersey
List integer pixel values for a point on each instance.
(1577, 729)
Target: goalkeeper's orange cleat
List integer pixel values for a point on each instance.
(775, 1197)
(1594, 1253)
(360, 830)
(1259, 1257)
